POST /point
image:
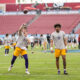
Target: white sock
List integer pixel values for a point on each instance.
(26, 69)
(64, 69)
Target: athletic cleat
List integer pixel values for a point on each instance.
(5, 55)
(65, 73)
(58, 72)
(27, 72)
(10, 68)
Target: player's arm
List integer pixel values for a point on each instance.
(65, 41)
(4, 41)
(20, 30)
(28, 41)
(51, 43)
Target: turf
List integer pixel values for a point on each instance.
(41, 65)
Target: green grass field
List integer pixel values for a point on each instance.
(41, 65)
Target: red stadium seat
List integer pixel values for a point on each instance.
(72, 5)
(45, 23)
(11, 23)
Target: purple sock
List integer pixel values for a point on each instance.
(26, 60)
(5, 51)
(13, 60)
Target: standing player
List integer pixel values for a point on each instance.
(69, 40)
(22, 42)
(32, 43)
(7, 44)
(60, 43)
(44, 43)
(40, 40)
(13, 41)
(74, 42)
(48, 41)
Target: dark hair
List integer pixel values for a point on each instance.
(41, 35)
(7, 35)
(13, 34)
(57, 25)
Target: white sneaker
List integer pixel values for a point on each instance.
(27, 72)
(5, 55)
(10, 68)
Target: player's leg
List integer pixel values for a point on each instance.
(57, 54)
(49, 45)
(12, 62)
(24, 54)
(45, 46)
(64, 64)
(14, 47)
(63, 53)
(32, 46)
(57, 64)
(16, 53)
(40, 43)
(5, 52)
(26, 63)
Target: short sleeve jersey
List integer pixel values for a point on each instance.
(58, 39)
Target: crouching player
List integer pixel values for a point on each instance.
(22, 42)
(59, 39)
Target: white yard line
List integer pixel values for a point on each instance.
(37, 75)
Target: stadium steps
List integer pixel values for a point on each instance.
(75, 24)
(77, 27)
(33, 19)
(45, 23)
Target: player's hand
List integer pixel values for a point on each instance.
(66, 48)
(51, 49)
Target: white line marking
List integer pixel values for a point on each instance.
(40, 75)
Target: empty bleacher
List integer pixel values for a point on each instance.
(74, 6)
(43, 25)
(11, 23)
